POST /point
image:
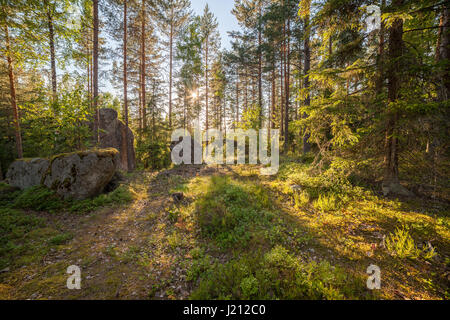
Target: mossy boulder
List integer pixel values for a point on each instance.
(78, 175)
(81, 175)
(27, 173)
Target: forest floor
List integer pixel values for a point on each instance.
(235, 234)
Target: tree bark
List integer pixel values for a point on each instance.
(281, 93)
(391, 180)
(95, 72)
(237, 99)
(88, 73)
(246, 89)
(307, 68)
(124, 154)
(287, 88)
(380, 58)
(143, 70)
(170, 70)
(51, 35)
(12, 87)
(274, 93)
(260, 102)
(443, 54)
(206, 82)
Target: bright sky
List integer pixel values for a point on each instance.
(222, 10)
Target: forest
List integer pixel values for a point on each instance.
(358, 91)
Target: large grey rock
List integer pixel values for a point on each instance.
(77, 175)
(113, 134)
(26, 173)
(81, 175)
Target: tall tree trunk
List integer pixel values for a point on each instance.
(443, 54)
(287, 87)
(12, 87)
(260, 102)
(246, 89)
(274, 95)
(307, 68)
(380, 58)
(184, 110)
(140, 103)
(153, 108)
(95, 71)
(124, 153)
(143, 70)
(170, 70)
(88, 71)
(237, 99)
(391, 180)
(206, 83)
(283, 80)
(51, 35)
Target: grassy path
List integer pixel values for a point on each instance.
(233, 235)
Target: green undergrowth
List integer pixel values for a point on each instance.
(230, 211)
(22, 238)
(276, 274)
(25, 237)
(42, 199)
(244, 224)
(328, 191)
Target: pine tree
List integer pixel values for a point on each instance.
(211, 43)
(172, 15)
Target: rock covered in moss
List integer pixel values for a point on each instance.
(27, 173)
(81, 175)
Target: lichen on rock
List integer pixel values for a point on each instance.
(77, 175)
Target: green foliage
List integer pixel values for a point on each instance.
(173, 215)
(301, 199)
(121, 195)
(228, 210)
(7, 194)
(61, 239)
(250, 118)
(39, 199)
(332, 188)
(249, 286)
(400, 244)
(42, 199)
(154, 154)
(276, 274)
(15, 226)
(326, 203)
(201, 263)
(60, 127)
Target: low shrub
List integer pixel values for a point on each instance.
(326, 203)
(14, 227)
(39, 199)
(61, 239)
(400, 244)
(301, 199)
(229, 210)
(122, 195)
(42, 199)
(274, 275)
